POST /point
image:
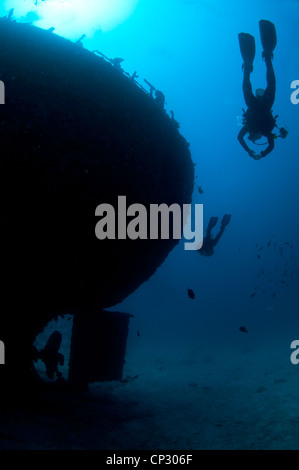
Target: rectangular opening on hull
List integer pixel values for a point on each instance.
(98, 347)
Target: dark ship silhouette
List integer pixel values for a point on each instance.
(75, 132)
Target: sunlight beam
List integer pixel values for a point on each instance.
(71, 18)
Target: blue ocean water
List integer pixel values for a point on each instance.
(189, 49)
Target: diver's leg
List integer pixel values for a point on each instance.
(247, 87)
(271, 82)
(225, 221)
(212, 222)
(219, 235)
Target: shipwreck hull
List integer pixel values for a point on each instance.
(75, 133)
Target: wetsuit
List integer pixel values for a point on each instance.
(209, 242)
(259, 118)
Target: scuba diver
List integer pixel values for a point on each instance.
(258, 119)
(209, 242)
(50, 355)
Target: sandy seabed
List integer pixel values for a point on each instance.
(212, 398)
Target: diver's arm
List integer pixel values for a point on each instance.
(241, 136)
(270, 146)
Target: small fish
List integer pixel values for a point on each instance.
(243, 329)
(200, 190)
(138, 333)
(282, 282)
(261, 248)
(269, 243)
(253, 295)
(258, 256)
(191, 294)
(287, 243)
(274, 294)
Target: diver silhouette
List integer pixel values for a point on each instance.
(50, 355)
(209, 242)
(258, 120)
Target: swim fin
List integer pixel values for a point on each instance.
(247, 48)
(268, 37)
(213, 221)
(226, 220)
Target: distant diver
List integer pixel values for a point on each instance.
(209, 242)
(258, 120)
(50, 355)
